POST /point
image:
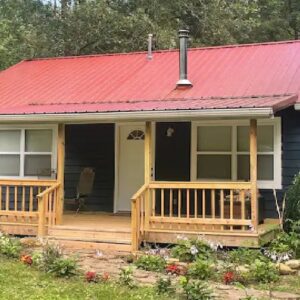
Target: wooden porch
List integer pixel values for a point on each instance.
(226, 212)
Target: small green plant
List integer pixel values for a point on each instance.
(50, 253)
(151, 263)
(189, 250)
(9, 246)
(63, 267)
(164, 286)
(244, 256)
(292, 206)
(126, 278)
(201, 269)
(264, 272)
(195, 289)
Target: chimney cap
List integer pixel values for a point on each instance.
(183, 33)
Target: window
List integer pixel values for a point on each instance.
(136, 135)
(221, 152)
(26, 152)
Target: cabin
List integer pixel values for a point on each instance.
(196, 154)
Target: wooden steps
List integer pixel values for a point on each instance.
(107, 239)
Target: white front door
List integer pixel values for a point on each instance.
(131, 163)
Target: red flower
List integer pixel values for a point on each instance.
(26, 259)
(105, 276)
(91, 276)
(228, 277)
(175, 270)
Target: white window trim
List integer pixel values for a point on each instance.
(22, 152)
(262, 184)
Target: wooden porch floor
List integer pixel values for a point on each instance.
(101, 220)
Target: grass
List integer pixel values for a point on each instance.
(19, 281)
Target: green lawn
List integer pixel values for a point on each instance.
(18, 281)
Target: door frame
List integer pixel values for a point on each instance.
(117, 157)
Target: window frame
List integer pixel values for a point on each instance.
(276, 183)
(22, 153)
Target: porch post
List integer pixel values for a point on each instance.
(148, 172)
(253, 172)
(60, 170)
(148, 152)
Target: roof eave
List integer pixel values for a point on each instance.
(265, 112)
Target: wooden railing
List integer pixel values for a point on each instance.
(48, 208)
(19, 204)
(195, 207)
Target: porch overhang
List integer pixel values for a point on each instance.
(151, 110)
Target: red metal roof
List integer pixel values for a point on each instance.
(244, 76)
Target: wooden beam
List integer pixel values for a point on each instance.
(148, 153)
(253, 173)
(60, 170)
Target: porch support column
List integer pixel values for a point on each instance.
(60, 170)
(148, 172)
(148, 153)
(253, 172)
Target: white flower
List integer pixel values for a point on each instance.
(194, 250)
(99, 254)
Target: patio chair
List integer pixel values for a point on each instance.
(84, 187)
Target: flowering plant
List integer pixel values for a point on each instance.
(26, 259)
(228, 277)
(105, 276)
(91, 276)
(175, 269)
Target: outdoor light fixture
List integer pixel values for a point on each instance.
(170, 132)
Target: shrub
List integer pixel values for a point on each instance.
(196, 289)
(264, 272)
(244, 256)
(201, 269)
(126, 278)
(164, 286)
(174, 269)
(50, 253)
(151, 263)
(292, 209)
(286, 245)
(228, 277)
(63, 267)
(10, 247)
(91, 276)
(189, 250)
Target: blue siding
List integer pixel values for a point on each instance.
(290, 158)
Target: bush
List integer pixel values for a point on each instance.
(244, 256)
(10, 247)
(201, 269)
(50, 253)
(126, 278)
(292, 209)
(151, 263)
(63, 267)
(264, 272)
(189, 250)
(164, 286)
(196, 289)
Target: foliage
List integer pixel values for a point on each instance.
(264, 272)
(195, 289)
(10, 246)
(286, 245)
(175, 269)
(292, 209)
(244, 256)
(27, 260)
(36, 28)
(63, 267)
(126, 278)
(151, 263)
(189, 250)
(201, 269)
(164, 286)
(18, 282)
(228, 277)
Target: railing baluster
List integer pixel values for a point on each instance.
(196, 203)
(31, 198)
(7, 198)
(16, 198)
(179, 203)
(222, 207)
(242, 198)
(171, 203)
(213, 204)
(203, 205)
(23, 198)
(231, 207)
(162, 202)
(188, 203)
(153, 202)
(1, 206)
